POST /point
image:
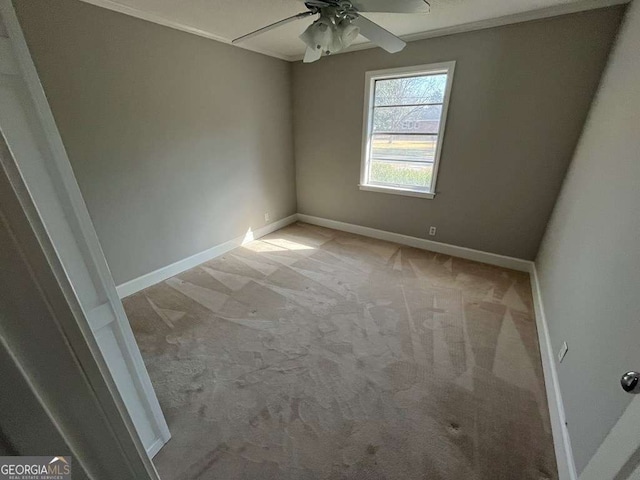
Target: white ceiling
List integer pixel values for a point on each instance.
(225, 20)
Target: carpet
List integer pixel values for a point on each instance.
(318, 354)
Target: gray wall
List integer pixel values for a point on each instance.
(589, 262)
(519, 100)
(178, 142)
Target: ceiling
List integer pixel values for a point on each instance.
(224, 20)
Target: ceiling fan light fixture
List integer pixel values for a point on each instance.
(328, 35)
(340, 23)
(311, 55)
(319, 35)
(348, 32)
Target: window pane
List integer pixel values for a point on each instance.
(410, 90)
(407, 119)
(404, 148)
(403, 160)
(401, 174)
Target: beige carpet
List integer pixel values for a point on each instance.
(316, 354)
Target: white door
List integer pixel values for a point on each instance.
(29, 128)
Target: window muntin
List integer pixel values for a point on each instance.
(404, 125)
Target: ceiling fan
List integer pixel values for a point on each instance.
(340, 22)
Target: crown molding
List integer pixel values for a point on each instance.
(160, 20)
(539, 14)
(556, 10)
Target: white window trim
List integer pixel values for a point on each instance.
(370, 78)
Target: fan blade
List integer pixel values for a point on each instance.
(311, 55)
(272, 26)
(397, 6)
(378, 35)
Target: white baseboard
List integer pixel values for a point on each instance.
(561, 439)
(157, 276)
(438, 247)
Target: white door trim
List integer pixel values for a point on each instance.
(51, 182)
(70, 346)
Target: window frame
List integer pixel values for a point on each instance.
(369, 91)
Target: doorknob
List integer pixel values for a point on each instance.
(630, 382)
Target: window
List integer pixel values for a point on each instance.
(404, 120)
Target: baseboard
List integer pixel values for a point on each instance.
(157, 276)
(438, 247)
(561, 439)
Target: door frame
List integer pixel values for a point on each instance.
(107, 445)
(107, 317)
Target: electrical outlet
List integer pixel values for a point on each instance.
(267, 217)
(563, 351)
(432, 231)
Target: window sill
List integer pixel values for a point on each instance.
(397, 191)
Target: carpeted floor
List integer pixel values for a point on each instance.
(316, 354)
